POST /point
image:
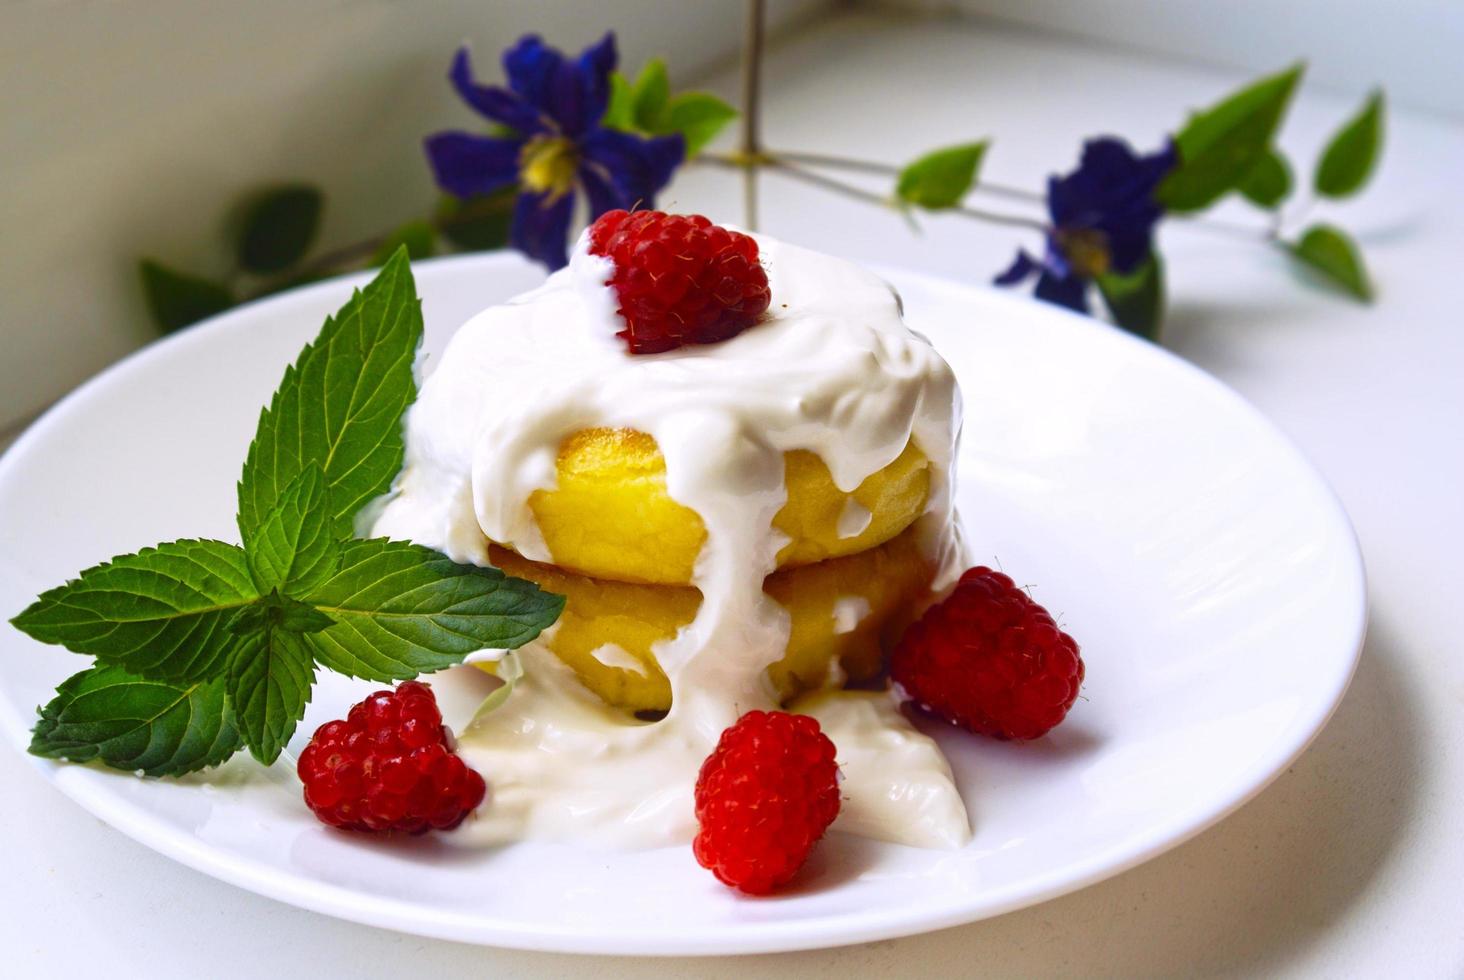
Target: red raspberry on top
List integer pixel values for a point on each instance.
(680, 279)
(765, 796)
(389, 766)
(990, 659)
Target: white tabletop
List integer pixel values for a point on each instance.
(1348, 865)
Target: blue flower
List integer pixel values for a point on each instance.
(550, 142)
(1103, 216)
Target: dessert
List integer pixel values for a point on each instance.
(745, 521)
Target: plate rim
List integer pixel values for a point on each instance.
(82, 785)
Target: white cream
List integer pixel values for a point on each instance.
(831, 369)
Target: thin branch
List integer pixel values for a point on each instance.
(850, 190)
(888, 169)
(751, 144)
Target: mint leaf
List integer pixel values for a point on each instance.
(177, 299)
(698, 117)
(269, 679)
(279, 226)
(292, 548)
(1352, 154)
(1219, 147)
(137, 725)
(1269, 181)
(161, 613)
(402, 610)
(418, 237)
(941, 178)
(648, 98)
(276, 611)
(1137, 299)
(340, 406)
(1329, 251)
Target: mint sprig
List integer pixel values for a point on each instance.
(127, 722)
(202, 647)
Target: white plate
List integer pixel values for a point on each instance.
(1208, 572)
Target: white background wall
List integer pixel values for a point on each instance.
(1412, 46)
(128, 128)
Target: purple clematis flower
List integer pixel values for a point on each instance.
(1103, 216)
(552, 142)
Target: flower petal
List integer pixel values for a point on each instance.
(541, 228)
(498, 104)
(1071, 292)
(636, 168)
(464, 164)
(1112, 191)
(1022, 266)
(573, 94)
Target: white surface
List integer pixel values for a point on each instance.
(1347, 866)
(1229, 559)
(1348, 44)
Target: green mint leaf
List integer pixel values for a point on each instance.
(698, 117)
(137, 725)
(1269, 181)
(620, 110)
(162, 613)
(279, 226)
(1331, 253)
(271, 673)
(418, 237)
(340, 406)
(1219, 147)
(292, 548)
(176, 299)
(941, 178)
(276, 611)
(1136, 300)
(403, 610)
(648, 98)
(477, 224)
(1352, 155)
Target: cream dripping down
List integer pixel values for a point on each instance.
(832, 368)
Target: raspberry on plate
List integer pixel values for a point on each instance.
(764, 797)
(990, 659)
(389, 766)
(680, 279)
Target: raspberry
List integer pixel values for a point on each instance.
(990, 659)
(389, 766)
(765, 796)
(680, 279)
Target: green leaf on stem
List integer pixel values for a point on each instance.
(340, 405)
(279, 226)
(402, 610)
(1352, 154)
(137, 725)
(418, 237)
(698, 117)
(476, 224)
(1136, 300)
(1269, 181)
(649, 96)
(162, 613)
(942, 178)
(1219, 147)
(177, 299)
(1332, 254)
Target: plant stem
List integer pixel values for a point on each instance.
(887, 169)
(751, 143)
